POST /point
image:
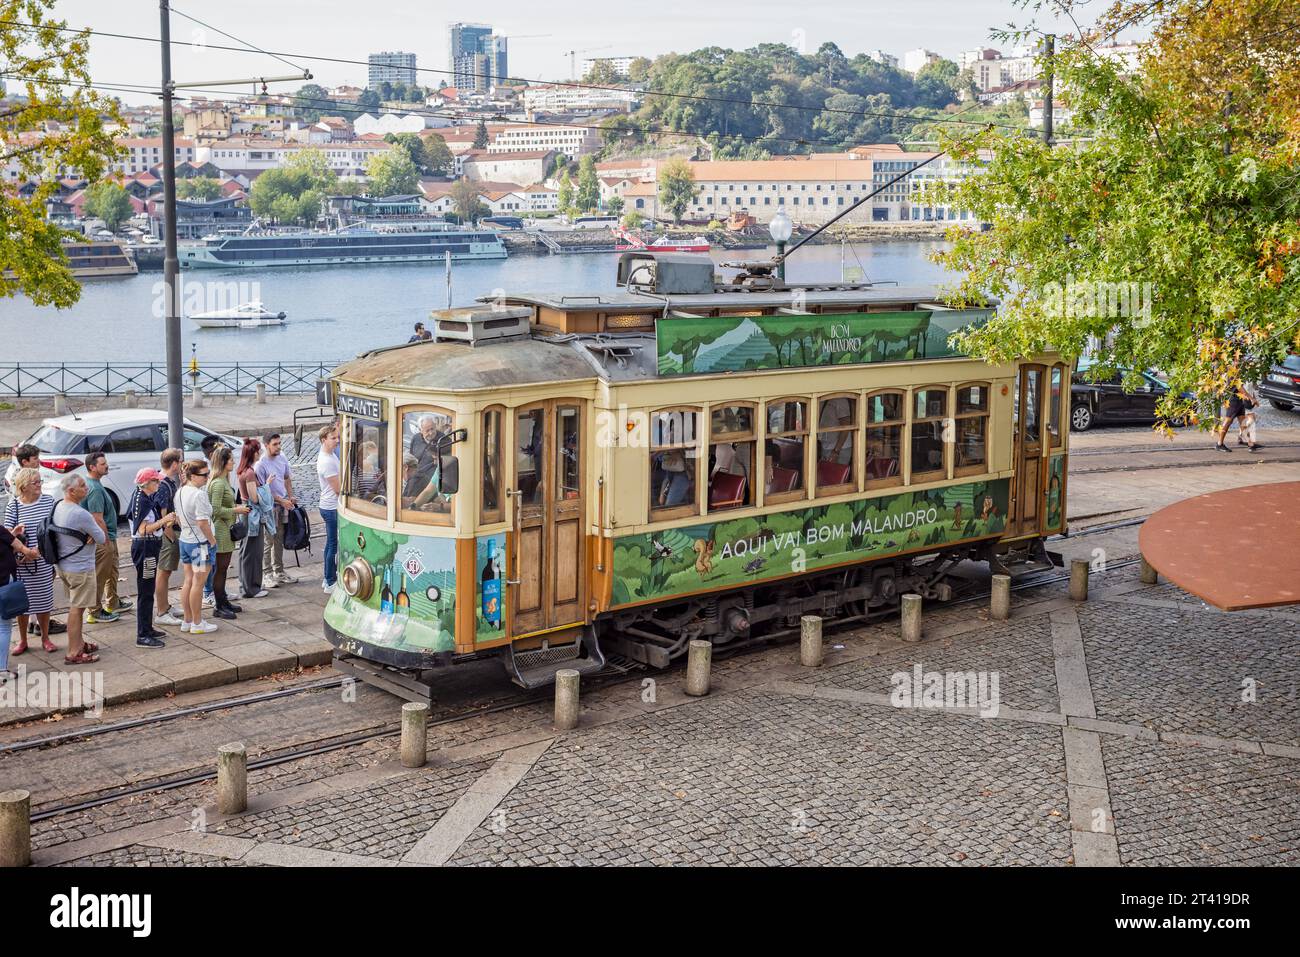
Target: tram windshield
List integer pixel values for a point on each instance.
(424, 437)
(367, 467)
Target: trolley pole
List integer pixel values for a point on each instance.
(171, 265)
(1048, 76)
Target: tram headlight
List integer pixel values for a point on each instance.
(358, 579)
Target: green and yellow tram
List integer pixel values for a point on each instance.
(556, 478)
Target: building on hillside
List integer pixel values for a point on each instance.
(391, 68)
(146, 152)
(253, 156)
(572, 141)
(500, 198)
(619, 64)
(354, 208)
(211, 123)
(946, 170)
(636, 168)
(368, 124)
(196, 218)
(883, 58)
(914, 60)
(478, 58)
(346, 94)
(530, 166)
(557, 98)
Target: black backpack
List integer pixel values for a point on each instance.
(297, 530)
(47, 539)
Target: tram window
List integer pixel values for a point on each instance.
(1032, 397)
(367, 473)
(837, 420)
(929, 418)
(783, 451)
(1054, 406)
(568, 452)
(884, 436)
(490, 508)
(530, 456)
(673, 458)
(422, 433)
(972, 426)
(731, 457)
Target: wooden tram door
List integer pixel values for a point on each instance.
(1030, 406)
(547, 590)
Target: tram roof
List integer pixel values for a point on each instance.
(623, 298)
(455, 367)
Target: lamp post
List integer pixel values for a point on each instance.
(781, 229)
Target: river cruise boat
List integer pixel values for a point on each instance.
(92, 260)
(378, 243)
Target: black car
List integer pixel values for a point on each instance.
(505, 222)
(1093, 403)
(1282, 384)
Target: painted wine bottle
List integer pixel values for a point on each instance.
(386, 595)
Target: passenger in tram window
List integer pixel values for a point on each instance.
(370, 478)
(411, 484)
(675, 479)
(424, 445)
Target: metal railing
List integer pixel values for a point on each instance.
(32, 379)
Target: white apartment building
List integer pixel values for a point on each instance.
(523, 167)
(943, 170)
(621, 64)
(883, 58)
(144, 153)
(255, 156)
(391, 67)
(572, 141)
(914, 60)
(555, 98)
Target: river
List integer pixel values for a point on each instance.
(335, 312)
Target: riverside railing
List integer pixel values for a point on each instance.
(32, 379)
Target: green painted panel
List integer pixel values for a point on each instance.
(744, 551)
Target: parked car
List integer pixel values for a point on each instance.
(505, 222)
(1105, 401)
(1282, 384)
(130, 438)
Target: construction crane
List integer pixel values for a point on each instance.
(573, 58)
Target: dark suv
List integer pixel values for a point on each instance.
(1093, 403)
(1282, 384)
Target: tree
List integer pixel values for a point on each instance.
(392, 173)
(615, 205)
(58, 91)
(601, 73)
(109, 202)
(294, 192)
(937, 83)
(203, 188)
(437, 155)
(464, 199)
(414, 147)
(1170, 235)
(588, 197)
(311, 101)
(638, 69)
(415, 94)
(564, 194)
(632, 220)
(385, 91)
(676, 187)
(368, 102)
(481, 136)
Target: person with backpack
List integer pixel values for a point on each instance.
(68, 541)
(147, 525)
(273, 472)
(27, 509)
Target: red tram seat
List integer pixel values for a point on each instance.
(833, 473)
(880, 468)
(726, 490)
(783, 480)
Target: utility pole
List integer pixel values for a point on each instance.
(1048, 76)
(171, 265)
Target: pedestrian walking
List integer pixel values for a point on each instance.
(28, 508)
(224, 513)
(1246, 426)
(1236, 407)
(77, 535)
(13, 548)
(198, 544)
(100, 505)
(327, 473)
(147, 526)
(169, 554)
(273, 472)
(250, 550)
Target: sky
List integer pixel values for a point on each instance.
(545, 33)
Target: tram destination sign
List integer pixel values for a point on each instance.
(698, 345)
(359, 406)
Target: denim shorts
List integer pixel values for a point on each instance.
(196, 553)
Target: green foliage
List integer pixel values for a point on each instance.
(203, 188)
(311, 101)
(464, 198)
(564, 193)
(56, 66)
(632, 220)
(481, 136)
(588, 197)
(109, 202)
(414, 147)
(601, 74)
(294, 192)
(676, 187)
(392, 173)
(437, 155)
(615, 206)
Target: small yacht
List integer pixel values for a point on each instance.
(246, 316)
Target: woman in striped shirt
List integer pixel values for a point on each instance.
(28, 508)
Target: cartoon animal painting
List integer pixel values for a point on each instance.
(990, 509)
(703, 556)
(956, 515)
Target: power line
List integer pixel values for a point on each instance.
(734, 101)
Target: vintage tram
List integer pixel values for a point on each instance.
(558, 478)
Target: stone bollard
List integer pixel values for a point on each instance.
(1079, 579)
(232, 779)
(810, 641)
(197, 397)
(699, 662)
(566, 700)
(1147, 575)
(60, 404)
(130, 399)
(911, 605)
(15, 828)
(1000, 607)
(260, 393)
(415, 734)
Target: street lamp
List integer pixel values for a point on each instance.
(781, 229)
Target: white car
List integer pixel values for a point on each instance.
(130, 438)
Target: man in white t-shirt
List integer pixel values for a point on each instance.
(327, 473)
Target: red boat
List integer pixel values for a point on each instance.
(664, 244)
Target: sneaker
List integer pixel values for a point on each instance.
(168, 619)
(155, 633)
(177, 612)
(261, 594)
(222, 613)
(56, 627)
(203, 628)
(123, 604)
(269, 582)
(186, 626)
(97, 616)
(149, 641)
(231, 606)
(285, 579)
(327, 588)
(209, 600)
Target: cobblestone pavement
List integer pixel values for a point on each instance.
(1121, 737)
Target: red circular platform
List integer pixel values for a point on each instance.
(1235, 549)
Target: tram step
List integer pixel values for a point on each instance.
(536, 668)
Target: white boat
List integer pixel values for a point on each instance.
(246, 316)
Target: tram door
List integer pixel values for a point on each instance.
(1029, 450)
(548, 589)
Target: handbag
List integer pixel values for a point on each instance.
(13, 599)
(239, 529)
